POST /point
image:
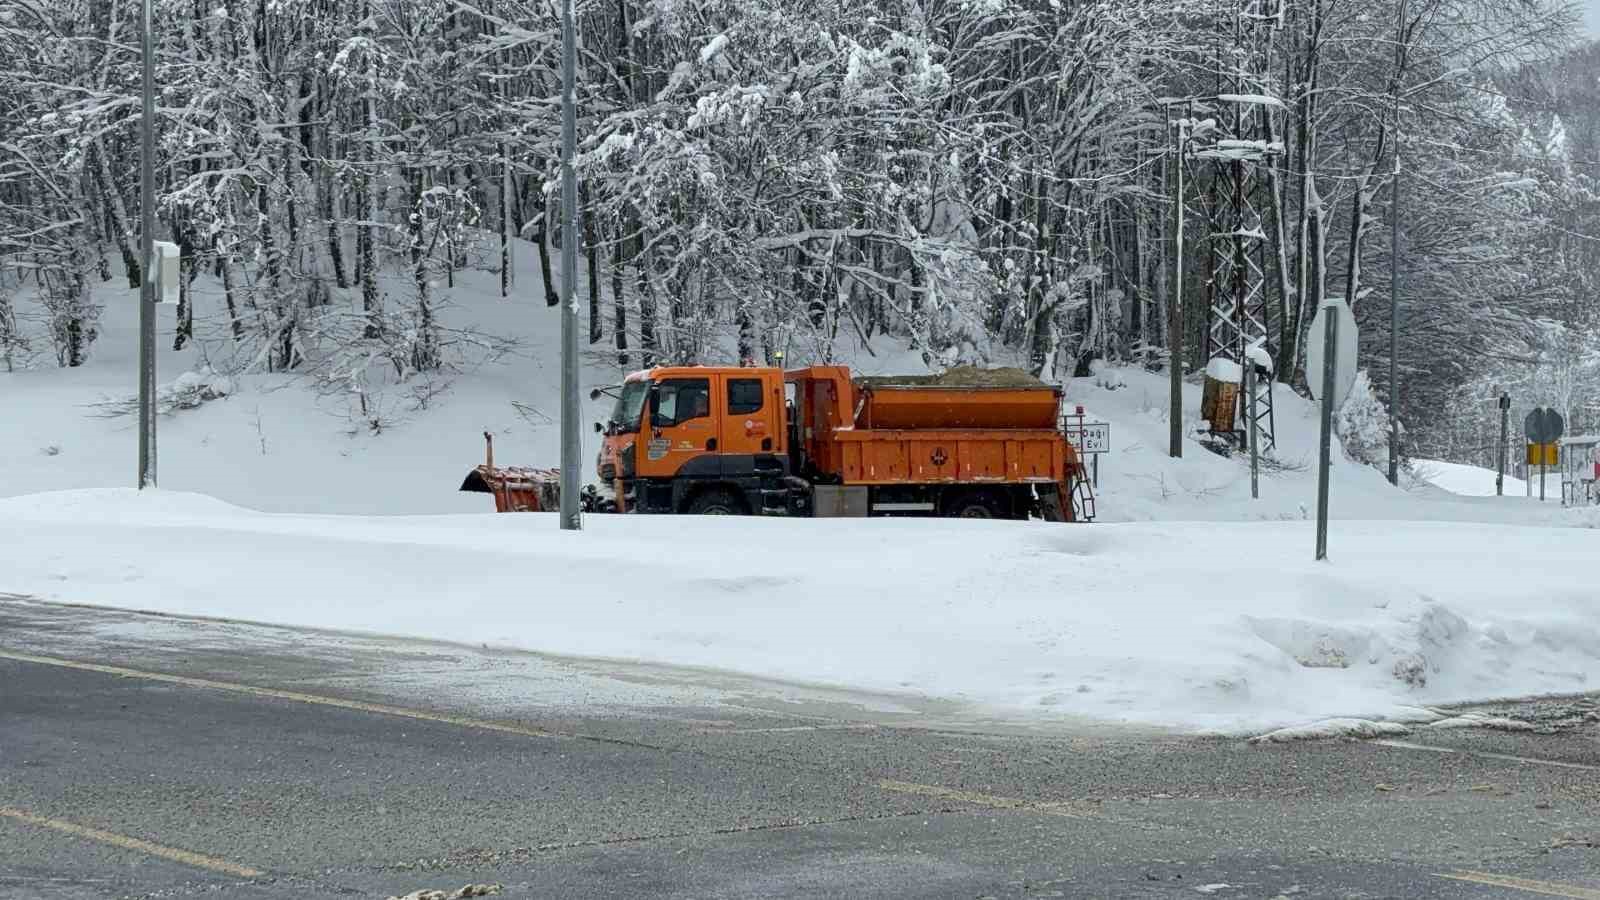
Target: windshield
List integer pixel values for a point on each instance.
(630, 403)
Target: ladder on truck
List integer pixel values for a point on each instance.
(1082, 500)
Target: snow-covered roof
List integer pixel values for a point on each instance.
(1225, 370)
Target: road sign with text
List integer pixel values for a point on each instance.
(1090, 437)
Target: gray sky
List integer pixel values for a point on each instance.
(1591, 15)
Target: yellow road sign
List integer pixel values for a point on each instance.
(1544, 454)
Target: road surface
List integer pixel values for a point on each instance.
(146, 756)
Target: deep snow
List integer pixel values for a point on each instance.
(1134, 622)
(1467, 480)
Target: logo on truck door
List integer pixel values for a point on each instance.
(939, 457)
(657, 448)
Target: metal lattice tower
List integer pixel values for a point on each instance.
(1237, 148)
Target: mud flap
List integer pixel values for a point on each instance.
(1055, 505)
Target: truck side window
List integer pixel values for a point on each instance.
(682, 399)
(744, 396)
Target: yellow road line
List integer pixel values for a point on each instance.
(187, 857)
(1547, 888)
(295, 696)
(843, 726)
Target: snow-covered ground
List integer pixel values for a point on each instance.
(1154, 623)
(1468, 481)
(1189, 604)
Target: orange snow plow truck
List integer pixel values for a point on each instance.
(818, 442)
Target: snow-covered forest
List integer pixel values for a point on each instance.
(979, 180)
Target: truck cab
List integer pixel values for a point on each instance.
(696, 439)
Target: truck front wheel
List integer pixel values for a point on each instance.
(716, 502)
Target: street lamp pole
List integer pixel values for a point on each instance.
(1175, 311)
(1394, 263)
(147, 280)
(571, 518)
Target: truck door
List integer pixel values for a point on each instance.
(753, 423)
(681, 426)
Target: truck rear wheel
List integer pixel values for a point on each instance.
(716, 502)
(975, 505)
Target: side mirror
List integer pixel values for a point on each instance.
(653, 403)
(598, 428)
(595, 393)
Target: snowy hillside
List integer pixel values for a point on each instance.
(282, 443)
(277, 444)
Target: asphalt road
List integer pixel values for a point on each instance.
(157, 757)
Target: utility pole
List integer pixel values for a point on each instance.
(1500, 467)
(147, 237)
(1175, 313)
(571, 518)
(1394, 262)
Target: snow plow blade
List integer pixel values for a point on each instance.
(515, 488)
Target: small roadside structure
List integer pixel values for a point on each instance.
(1580, 464)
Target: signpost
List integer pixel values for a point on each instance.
(1089, 438)
(1543, 428)
(1335, 355)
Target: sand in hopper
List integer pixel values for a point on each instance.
(957, 377)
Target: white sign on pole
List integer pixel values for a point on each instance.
(1090, 437)
(1344, 373)
(169, 272)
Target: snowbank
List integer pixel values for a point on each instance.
(1163, 624)
(1468, 481)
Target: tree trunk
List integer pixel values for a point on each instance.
(507, 230)
(647, 309)
(280, 331)
(122, 228)
(619, 304)
(323, 182)
(422, 355)
(541, 240)
(366, 233)
(184, 235)
(225, 272)
(594, 268)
